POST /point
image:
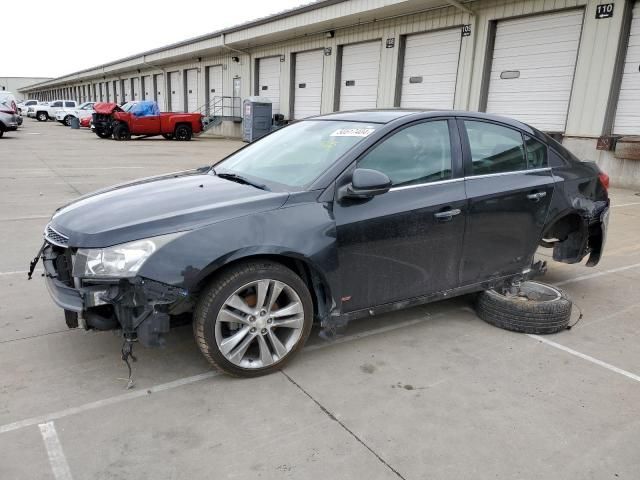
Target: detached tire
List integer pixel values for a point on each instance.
(121, 132)
(253, 318)
(538, 309)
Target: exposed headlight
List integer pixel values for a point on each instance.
(119, 261)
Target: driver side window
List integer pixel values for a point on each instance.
(417, 154)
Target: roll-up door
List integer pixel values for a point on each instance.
(627, 120)
(135, 89)
(158, 84)
(269, 81)
(127, 89)
(117, 92)
(308, 84)
(359, 76)
(192, 90)
(214, 82)
(147, 88)
(532, 69)
(430, 69)
(174, 92)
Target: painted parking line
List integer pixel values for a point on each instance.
(625, 205)
(597, 274)
(57, 460)
(588, 358)
(143, 392)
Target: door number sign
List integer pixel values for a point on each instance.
(604, 10)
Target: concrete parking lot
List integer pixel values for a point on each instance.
(430, 392)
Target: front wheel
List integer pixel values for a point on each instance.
(121, 132)
(183, 132)
(1, 133)
(103, 133)
(253, 318)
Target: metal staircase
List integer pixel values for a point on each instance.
(220, 109)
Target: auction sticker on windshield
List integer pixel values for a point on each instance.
(353, 132)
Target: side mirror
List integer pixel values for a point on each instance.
(365, 183)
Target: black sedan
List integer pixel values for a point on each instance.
(329, 219)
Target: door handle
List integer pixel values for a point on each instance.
(447, 214)
(536, 197)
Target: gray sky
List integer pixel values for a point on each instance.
(52, 38)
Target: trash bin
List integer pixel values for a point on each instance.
(75, 122)
(256, 118)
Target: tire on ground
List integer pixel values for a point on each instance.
(539, 309)
(121, 132)
(218, 291)
(183, 132)
(42, 116)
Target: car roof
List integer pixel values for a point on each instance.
(389, 115)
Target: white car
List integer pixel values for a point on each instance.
(31, 110)
(48, 112)
(24, 105)
(64, 115)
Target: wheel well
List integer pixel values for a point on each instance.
(561, 228)
(180, 124)
(320, 292)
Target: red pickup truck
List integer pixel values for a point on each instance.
(143, 119)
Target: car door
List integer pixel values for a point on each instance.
(144, 125)
(509, 186)
(55, 106)
(407, 242)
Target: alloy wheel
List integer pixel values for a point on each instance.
(259, 324)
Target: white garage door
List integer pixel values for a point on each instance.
(117, 91)
(158, 84)
(269, 81)
(127, 90)
(108, 96)
(308, 84)
(147, 88)
(214, 82)
(174, 92)
(627, 121)
(534, 60)
(430, 69)
(192, 90)
(359, 76)
(136, 89)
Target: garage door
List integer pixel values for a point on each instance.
(135, 86)
(174, 92)
(269, 81)
(430, 69)
(359, 76)
(192, 90)
(534, 60)
(158, 84)
(308, 84)
(627, 121)
(117, 92)
(214, 82)
(127, 89)
(147, 88)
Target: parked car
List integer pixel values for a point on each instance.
(144, 119)
(24, 106)
(85, 122)
(64, 115)
(48, 112)
(32, 109)
(330, 219)
(9, 118)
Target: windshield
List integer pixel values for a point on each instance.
(298, 154)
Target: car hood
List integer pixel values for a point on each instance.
(157, 206)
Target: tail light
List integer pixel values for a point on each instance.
(604, 180)
(14, 106)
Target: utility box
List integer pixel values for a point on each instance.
(256, 118)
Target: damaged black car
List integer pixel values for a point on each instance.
(330, 219)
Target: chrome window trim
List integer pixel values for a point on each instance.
(439, 182)
(500, 174)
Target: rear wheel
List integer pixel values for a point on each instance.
(253, 318)
(67, 120)
(121, 132)
(42, 116)
(183, 132)
(538, 308)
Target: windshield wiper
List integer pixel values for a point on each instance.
(234, 177)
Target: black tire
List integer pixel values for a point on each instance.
(42, 116)
(168, 136)
(67, 120)
(183, 133)
(1, 132)
(214, 297)
(121, 132)
(103, 134)
(539, 309)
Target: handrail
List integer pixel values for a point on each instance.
(222, 106)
